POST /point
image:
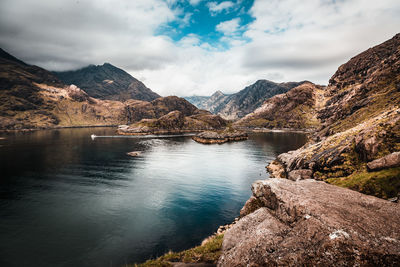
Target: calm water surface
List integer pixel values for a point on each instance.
(67, 200)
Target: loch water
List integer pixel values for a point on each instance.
(68, 200)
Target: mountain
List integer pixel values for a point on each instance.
(356, 146)
(358, 143)
(238, 105)
(34, 98)
(210, 103)
(296, 109)
(107, 82)
(198, 101)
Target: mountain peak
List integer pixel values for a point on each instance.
(217, 93)
(91, 80)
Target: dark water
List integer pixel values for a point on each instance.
(66, 200)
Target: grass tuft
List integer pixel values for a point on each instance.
(208, 252)
(384, 184)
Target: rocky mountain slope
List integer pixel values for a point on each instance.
(296, 109)
(237, 105)
(33, 98)
(107, 82)
(210, 103)
(360, 124)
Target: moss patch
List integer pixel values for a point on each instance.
(383, 184)
(209, 253)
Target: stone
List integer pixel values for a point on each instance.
(251, 205)
(134, 153)
(312, 223)
(300, 174)
(276, 169)
(388, 161)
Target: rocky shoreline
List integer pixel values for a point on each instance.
(308, 222)
(55, 128)
(214, 137)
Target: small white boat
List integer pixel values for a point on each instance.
(93, 136)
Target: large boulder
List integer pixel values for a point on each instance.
(389, 161)
(311, 223)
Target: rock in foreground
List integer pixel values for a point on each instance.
(309, 223)
(213, 137)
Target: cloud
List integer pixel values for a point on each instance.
(285, 41)
(229, 27)
(215, 8)
(63, 34)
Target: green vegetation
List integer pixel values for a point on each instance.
(208, 252)
(383, 184)
(378, 102)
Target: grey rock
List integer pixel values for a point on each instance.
(300, 174)
(388, 161)
(311, 223)
(134, 153)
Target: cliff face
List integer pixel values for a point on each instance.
(237, 105)
(107, 82)
(296, 109)
(311, 223)
(360, 123)
(367, 85)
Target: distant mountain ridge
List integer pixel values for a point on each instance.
(34, 98)
(107, 82)
(247, 100)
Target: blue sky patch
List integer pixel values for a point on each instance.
(201, 18)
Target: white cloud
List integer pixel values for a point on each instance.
(229, 27)
(288, 41)
(215, 8)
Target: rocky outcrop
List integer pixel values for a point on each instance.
(389, 161)
(234, 106)
(311, 223)
(175, 122)
(107, 82)
(300, 174)
(296, 109)
(360, 123)
(214, 137)
(365, 86)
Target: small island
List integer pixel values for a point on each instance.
(220, 137)
(175, 122)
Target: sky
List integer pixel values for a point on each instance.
(196, 47)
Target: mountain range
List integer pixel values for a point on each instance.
(34, 98)
(237, 105)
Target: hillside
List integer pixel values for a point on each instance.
(107, 82)
(296, 109)
(238, 105)
(358, 143)
(33, 98)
